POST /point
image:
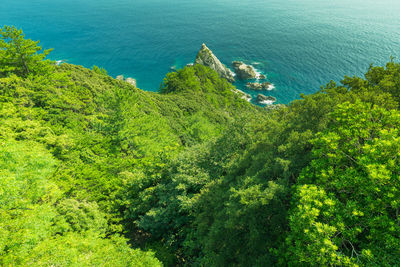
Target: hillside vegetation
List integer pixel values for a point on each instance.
(96, 172)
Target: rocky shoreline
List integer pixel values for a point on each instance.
(241, 72)
(206, 58)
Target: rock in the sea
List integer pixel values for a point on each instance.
(243, 71)
(254, 86)
(207, 58)
(120, 77)
(266, 100)
(131, 81)
(262, 77)
(266, 86)
(259, 86)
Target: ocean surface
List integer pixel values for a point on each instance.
(299, 44)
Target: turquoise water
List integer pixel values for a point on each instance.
(299, 44)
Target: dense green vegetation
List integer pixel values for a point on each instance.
(95, 172)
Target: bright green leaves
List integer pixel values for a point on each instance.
(99, 70)
(205, 82)
(76, 216)
(356, 166)
(76, 250)
(38, 228)
(182, 80)
(310, 241)
(24, 168)
(26, 197)
(21, 56)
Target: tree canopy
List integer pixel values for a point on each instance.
(96, 172)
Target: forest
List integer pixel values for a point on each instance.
(96, 172)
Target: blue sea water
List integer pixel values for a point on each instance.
(299, 44)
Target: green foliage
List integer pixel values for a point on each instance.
(89, 250)
(75, 216)
(194, 172)
(180, 81)
(26, 197)
(202, 81)
(356, 163)
(35, 230)
(99, 70)
(19, 55)
(311, 242)
(241, 218)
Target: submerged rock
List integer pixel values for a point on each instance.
(243, 71)
(206, 57)
(266, 100)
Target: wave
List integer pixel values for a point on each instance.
(258, 73)
(271, 87)
(267, 102)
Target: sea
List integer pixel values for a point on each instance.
(299, 44)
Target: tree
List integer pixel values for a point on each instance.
(346, 206)
(20, 56)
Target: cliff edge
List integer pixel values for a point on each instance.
(206, 57)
